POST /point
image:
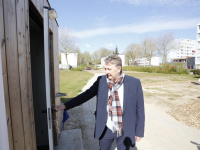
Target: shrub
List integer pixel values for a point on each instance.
(192, 70)
(197, 71)
(177, 68)
(76, 69)
(95, 68)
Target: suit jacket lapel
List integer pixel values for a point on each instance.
(104, 93)
(126, 93)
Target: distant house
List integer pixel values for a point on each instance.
(141, 61)
(188, 62)
(71, 60)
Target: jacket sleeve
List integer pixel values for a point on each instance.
(140, 114)
(83, 97)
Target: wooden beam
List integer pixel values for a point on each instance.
(20, 5)
(29, 78)
(56, 74)
(13, 73)
(5, 79)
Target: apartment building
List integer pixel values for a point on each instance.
(197, 60)
(186, 48)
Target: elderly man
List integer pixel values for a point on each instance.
(119, 109)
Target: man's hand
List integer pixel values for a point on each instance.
(137, 139)
(59, 107)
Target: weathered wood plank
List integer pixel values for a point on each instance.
(20, 5)
(34, 2)
(56, 73)
(5, 80)
(41, 7)
(13, 73)
(29, 78)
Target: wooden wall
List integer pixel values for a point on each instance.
(15, 45)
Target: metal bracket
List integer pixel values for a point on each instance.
(61, 94)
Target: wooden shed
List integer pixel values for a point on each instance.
(29, 76)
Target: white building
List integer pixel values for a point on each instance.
(120, 55)
(197, 60)
(185, 48)
(155, 61)
(71, 58)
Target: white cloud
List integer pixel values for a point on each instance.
(100, 21)
(87, 45)
(148, 26)
(109, 45)
(160, 2)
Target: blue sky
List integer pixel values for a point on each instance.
(107, 23)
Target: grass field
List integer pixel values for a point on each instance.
(72, 82)
(161, 77)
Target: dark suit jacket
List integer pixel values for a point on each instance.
(133, 107)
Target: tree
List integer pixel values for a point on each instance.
(86, 58)
(116, 51)
(104, 52)
(96, 59)
(79, 55)
(67, 43)
(165, 44)
(133, 51)
(152, 47)
(59, 58)
(145, 50)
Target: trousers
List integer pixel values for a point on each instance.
(107, 138)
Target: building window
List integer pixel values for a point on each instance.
(199, 35)
(198, 59)
(198, 51)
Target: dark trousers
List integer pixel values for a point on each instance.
(107, 138)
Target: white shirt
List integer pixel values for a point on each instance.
(121, 99)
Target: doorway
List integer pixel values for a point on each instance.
(38, 81)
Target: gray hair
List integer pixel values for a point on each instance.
(115, 60)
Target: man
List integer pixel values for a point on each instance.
(119, 109)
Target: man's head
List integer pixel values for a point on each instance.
(113, 67)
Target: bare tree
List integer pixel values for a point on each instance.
(86, 58)
(145, 48)
(96, 57)
(67, 42)
(152, 48)
(165, 44)
(133, 51)
(104, 52)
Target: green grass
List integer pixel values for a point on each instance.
(72, 82)
(170, 98)
(160, 77)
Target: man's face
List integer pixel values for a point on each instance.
(112, 72)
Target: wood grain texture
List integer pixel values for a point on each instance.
(5, 79)
(13, 73)
(20, 5)
(56, 72)
(29, 78)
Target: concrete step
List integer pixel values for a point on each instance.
(70, 140)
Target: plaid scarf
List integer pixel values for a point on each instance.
(114, 107)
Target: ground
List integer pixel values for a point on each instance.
(178, 95)
(175, 94)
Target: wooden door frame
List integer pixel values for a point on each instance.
(4, 141)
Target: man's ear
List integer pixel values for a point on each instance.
(120, 68)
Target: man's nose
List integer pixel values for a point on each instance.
(107, 71)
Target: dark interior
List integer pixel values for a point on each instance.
(38, 81)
